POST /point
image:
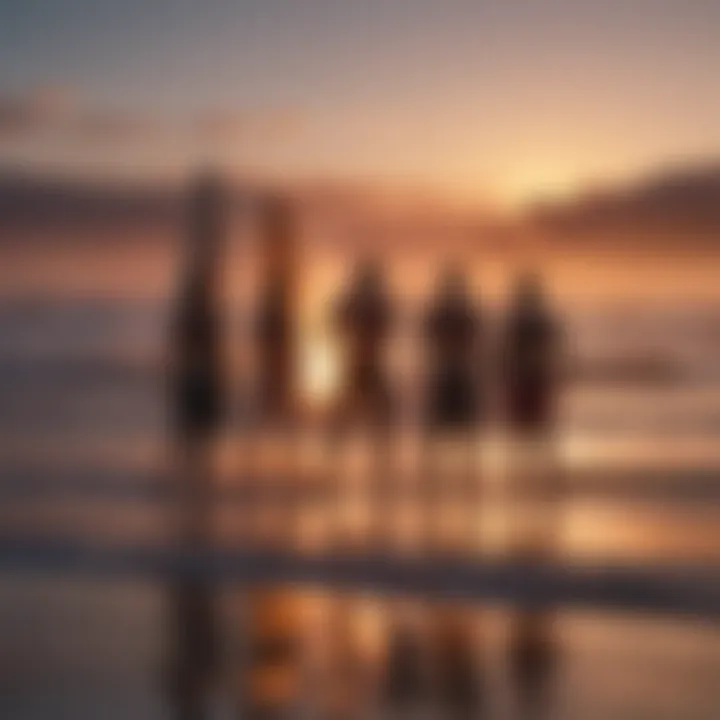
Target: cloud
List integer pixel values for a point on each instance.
(277, 124)
(34, 111)
(56, 111)
(106, 126)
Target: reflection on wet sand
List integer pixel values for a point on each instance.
(533, 654)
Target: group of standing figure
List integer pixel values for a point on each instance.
(458, 399)
(461, 385)
(458, 396)
(455, 402)
(453, 331)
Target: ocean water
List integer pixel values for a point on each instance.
(83, 440)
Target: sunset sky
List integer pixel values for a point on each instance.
(497, 99)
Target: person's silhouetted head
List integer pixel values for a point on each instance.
(529, 295)
(452, 333)
(364, 309)
(363, 319)
(368, 278)
(453, 282)
(206, 210)
(452, 317)
(276, 318)
(276, 214)
(531, 356)
(206, 188)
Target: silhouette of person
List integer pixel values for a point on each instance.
(531, 357)
(276, 345)
(274, 620)
(197, 354)
(276, 321)
(197, 399)
(531, 366)
(362, 320)
(452, 331)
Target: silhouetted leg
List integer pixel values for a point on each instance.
(300, 486)
(522, 491)
(471, 493)
(242, 482)
(268, 478)
(251, 478)
(552, 494)
(335, 485)
(285, 487)
(275, 483)
(195, 488)
(383, 490)
(432, 496)
(536, 484)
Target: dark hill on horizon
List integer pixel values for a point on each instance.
(676, 208)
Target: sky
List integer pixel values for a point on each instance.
(508, 99)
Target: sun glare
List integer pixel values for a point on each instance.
(319, 370)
